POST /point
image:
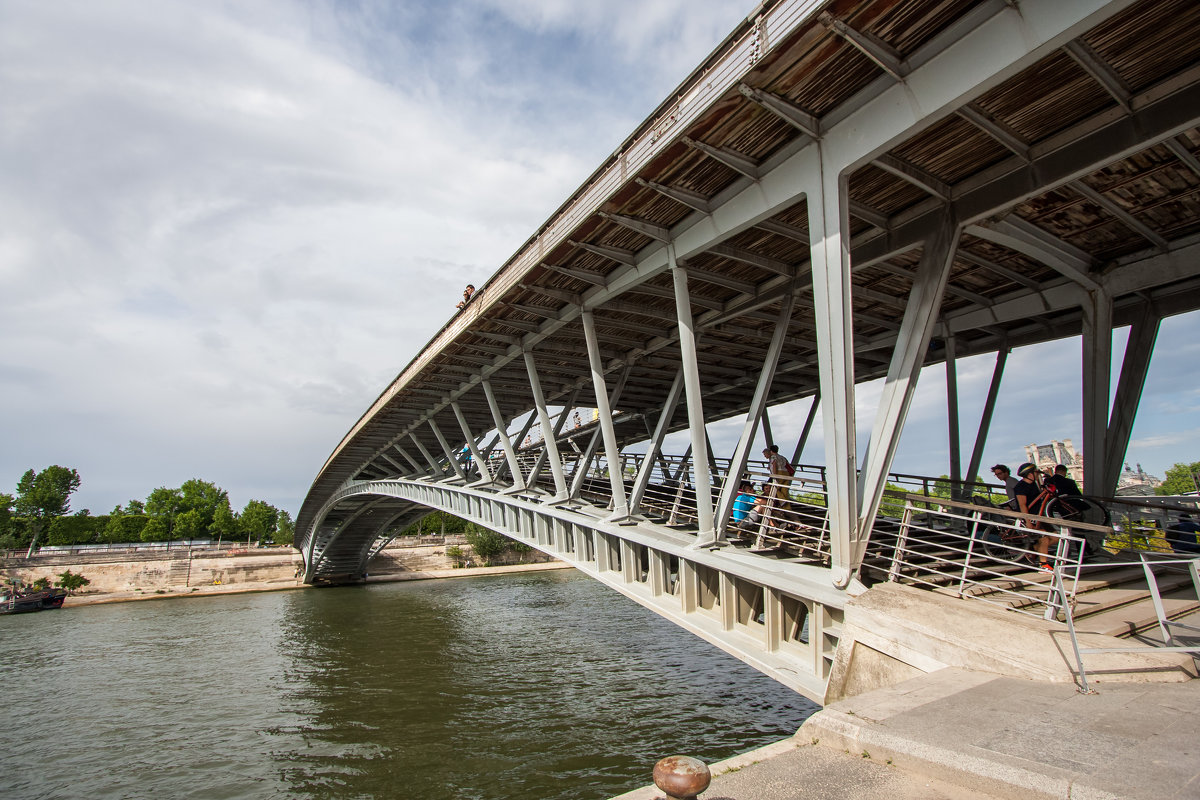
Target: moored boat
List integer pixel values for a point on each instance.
(15, 601)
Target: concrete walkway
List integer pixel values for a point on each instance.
(960, 734)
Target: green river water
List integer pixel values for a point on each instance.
(534, 686)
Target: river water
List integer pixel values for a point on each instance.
(533, 686)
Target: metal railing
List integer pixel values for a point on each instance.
(997, 556)
(1148, 562)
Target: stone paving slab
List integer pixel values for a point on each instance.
(795, 770)
(962, 735)
(1016, 738)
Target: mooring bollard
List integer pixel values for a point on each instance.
(681, 777)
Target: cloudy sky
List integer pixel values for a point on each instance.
(225, 226)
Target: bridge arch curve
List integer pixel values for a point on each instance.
(782, 619)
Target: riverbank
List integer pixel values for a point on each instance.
(95, 598)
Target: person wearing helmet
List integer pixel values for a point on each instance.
(1031, 500)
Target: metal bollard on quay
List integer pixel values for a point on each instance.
(681, 777)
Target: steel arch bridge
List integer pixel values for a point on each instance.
(840, 192)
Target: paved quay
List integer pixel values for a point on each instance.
(971, 735)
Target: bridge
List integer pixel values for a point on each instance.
(841, 192)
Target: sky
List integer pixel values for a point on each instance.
(225, 227)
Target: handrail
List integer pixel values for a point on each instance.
(1164, 625)
(1004, 512)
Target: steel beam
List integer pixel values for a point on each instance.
(1097, 366)
(912, 345)
(952, 410)
(480, 465)
(705, 534)
(989, 407)
(502, 435)
(451, 456)
(612, 453)
(1134, 366)
(548, 432)
(808, 423)
(829, 229)
(757, 411)
(654, 447)
(434, 466)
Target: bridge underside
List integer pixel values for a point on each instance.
(843, 191)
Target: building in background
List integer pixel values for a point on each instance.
(1136, 483)
(1048, 456)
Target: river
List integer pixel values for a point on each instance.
(534, 686)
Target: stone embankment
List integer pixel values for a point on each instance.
(134, 575)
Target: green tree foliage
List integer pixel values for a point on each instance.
(135, 507)
(189, 525)
(205, 499)
(122, 528)
(40, 585)
(6, 513)
(285, 529)
(486, 543)
(45, 494)
(1180, 479)
(155, 530)
(71, 581)
(66, 531)
(164, 504)
(258, 520)
(224, 524)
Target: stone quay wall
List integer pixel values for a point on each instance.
(182, 569)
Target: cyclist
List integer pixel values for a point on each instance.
(1031, 499)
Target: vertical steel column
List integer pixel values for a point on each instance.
(550, 446)
(829, 233)
(612, 453)
(484, 474)
(768, 434)
(1134, 365)
(450, 455)
(433, 465)
(952, 413)
(502, 434)
(1097, 381)
(989, 406)
(912, 345)
(757, 410)
(808, 422)
(655, 445)
(705, 533)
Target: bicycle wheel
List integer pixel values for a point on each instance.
(1078, 509)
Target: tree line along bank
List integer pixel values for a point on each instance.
(39, 513)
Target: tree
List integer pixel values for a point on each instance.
(71, 581)
(1180, 479)
(224, 524)
(486, 543)
(135, 507)
(6, 510)
(155, 530)
(189, 525)
(258, 520)
(165, 504)
(285, 529)
(45, 494)
(204, 498)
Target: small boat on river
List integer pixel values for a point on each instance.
(16, 601)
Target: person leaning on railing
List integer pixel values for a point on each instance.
(1182, 536)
